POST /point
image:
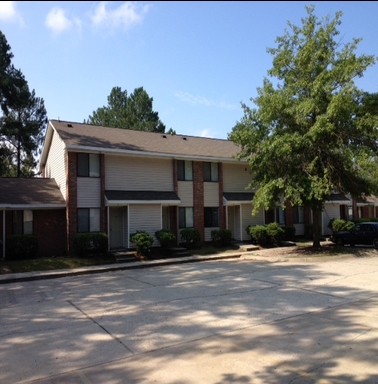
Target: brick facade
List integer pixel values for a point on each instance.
(71, 200)
(49, 226)
(198, 199)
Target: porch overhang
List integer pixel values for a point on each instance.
(121, 198)
(237, 198)
(338, 198)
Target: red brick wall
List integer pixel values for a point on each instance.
(71, 217)
(49, 226)
(198, 198)
(104, 215)
(289, 216)
(222, 215)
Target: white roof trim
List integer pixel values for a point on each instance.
(31, 206)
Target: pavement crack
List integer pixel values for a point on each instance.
(99, 325)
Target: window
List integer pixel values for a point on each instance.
(22, 222)
(88, 165)
(298, 217)
(184, 170)
(88, 220)
(280, 216)
(210, 171)
(211, 217)
(186, 217)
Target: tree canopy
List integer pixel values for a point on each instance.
(129, 112)
(314, 132)
(23, 120)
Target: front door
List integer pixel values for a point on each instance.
(116, 227)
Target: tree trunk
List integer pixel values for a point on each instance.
(316, 214)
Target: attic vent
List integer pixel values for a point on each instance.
(184, 138)
(164, 136)
(69, 125)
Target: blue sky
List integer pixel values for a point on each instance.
(197, 60)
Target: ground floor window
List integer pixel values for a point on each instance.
(186, 217)
(22, 222)
(211, 217)
(88, 219)
(298, 217)
(280, 216)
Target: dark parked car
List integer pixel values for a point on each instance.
(361, 233)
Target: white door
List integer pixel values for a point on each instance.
(116, 227)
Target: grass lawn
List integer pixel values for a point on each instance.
(303, 249)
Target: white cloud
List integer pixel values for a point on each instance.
(201, 100)
(194, 100)
(125, 16)
(58, 22)
(8, 12)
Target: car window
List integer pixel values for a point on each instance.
(367, 228)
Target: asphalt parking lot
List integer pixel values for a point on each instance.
(213, 322)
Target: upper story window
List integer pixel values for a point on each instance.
(88, 165)
(184, 170)
(210, 171)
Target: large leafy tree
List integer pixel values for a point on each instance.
(23, 120)
(314, 132)
(129, 112)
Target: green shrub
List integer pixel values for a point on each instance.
(20, 247)
(165, 237)
(338, 225)
(91, 244)
(221, 236)
(191, 237)
(143, 241)
(260, 234)
(275, 233)
(289, 233)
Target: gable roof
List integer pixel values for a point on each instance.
(30, 193)
(92, 138)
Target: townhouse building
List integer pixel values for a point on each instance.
(119, 181)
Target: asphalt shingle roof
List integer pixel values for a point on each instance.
(142, 195)
(29, 191)
(76, 135)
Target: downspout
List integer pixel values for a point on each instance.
(108, 222)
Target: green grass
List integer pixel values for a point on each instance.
(52, 263)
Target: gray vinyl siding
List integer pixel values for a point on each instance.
(331, 211)
(185, 193)
(208, 233)
(88, 192)
(236, 177)
(145, 217)
(131, 173)
(248, 219)
(211, 194)
(299, 229)
(55, 167)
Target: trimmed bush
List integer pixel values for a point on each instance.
(19, 247)
(289, 233)
(143, 241)
(338, 225)
(221, 236)
(191, 237)
(275, 233)
(166, 238)
(91, 244)
(260, 234)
